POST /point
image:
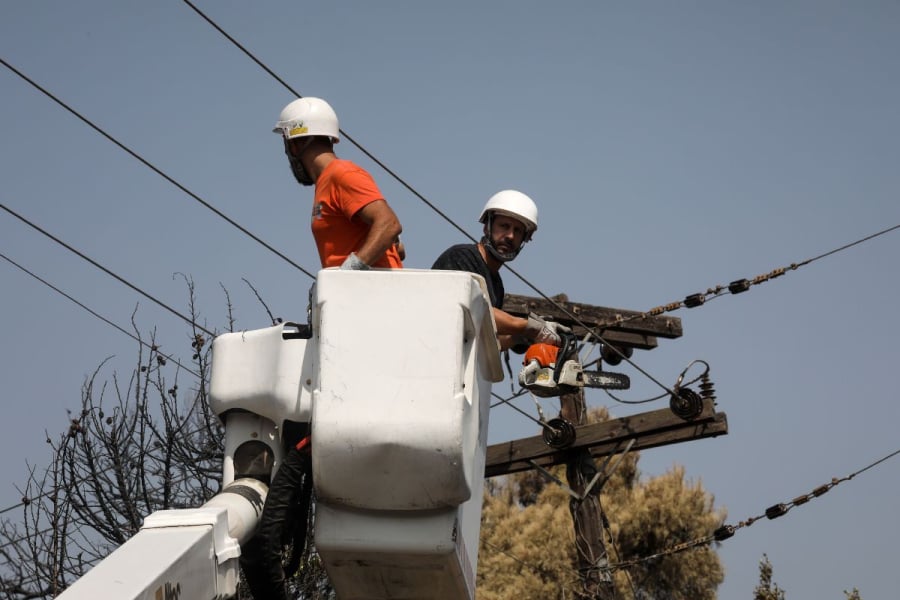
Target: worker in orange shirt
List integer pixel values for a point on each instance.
(352, 223)
(354, 228)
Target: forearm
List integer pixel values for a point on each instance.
(533, 328)
(508, 324)
(384, 227)
(381, 237)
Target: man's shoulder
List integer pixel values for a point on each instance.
(461, 250)
(460, 256)
(340, 167)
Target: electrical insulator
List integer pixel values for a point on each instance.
(685, 403)
(800, 500)
(776, 510)
(723, 533)
(707, 389)
(559, 433)
(741, 285)
(694, 300)
(610, 356)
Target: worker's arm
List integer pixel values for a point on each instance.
(508, 324)
(534, 328)
(384, 227)
(510, 329)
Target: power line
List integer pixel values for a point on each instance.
(688, 301)
(351, 140)
(726, 531)
(88, 477)
(107, 271)
(715, 293)
(773, 512)
(99, 316)
(151, 347)
(691, 301)
(372, 157)
(594, 331)
(156, 170)
(420, 196)
(738, 286)
(267, 246)
(347, 136)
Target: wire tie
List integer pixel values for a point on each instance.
(821, 490)
(800, 500)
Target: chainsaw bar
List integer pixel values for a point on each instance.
(606, 380)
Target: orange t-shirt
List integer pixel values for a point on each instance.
(341, 190)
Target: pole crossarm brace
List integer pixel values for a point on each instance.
(640, 333)
(648, 430)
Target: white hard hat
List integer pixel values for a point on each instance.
(513, 204)
(306, 117)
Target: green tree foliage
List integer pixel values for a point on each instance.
(767, 589)
(528, 540)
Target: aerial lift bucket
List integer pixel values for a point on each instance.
(399, 428)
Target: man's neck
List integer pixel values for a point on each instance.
(319, 162)
(492, 263)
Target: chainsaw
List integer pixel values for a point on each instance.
(552, 371)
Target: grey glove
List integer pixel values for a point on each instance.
(352, 263)
(545, 332)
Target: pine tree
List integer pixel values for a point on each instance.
(767, 589)
(528, 545)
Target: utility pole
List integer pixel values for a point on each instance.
(646, 430)
(584, 505)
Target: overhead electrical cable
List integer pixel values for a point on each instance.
(738, 286)
(773, 512)
(266, 245)
(725, 531)
(691, 301)
(346, 135)
(98, 315)
(155, 169)
(87, 477)
(412, 190)
(107, 271)
(594, 331)
(151, 347)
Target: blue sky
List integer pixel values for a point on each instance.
(670, 147)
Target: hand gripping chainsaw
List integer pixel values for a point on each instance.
(550, 371)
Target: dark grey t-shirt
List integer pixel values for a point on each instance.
(466, 257)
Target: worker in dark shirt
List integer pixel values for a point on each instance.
(510, 218)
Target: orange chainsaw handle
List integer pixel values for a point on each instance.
(544, 354)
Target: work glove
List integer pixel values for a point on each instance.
(353, 263)
(545, 332)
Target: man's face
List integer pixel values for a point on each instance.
(294, 149)
(507, 234)
(296, 146)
